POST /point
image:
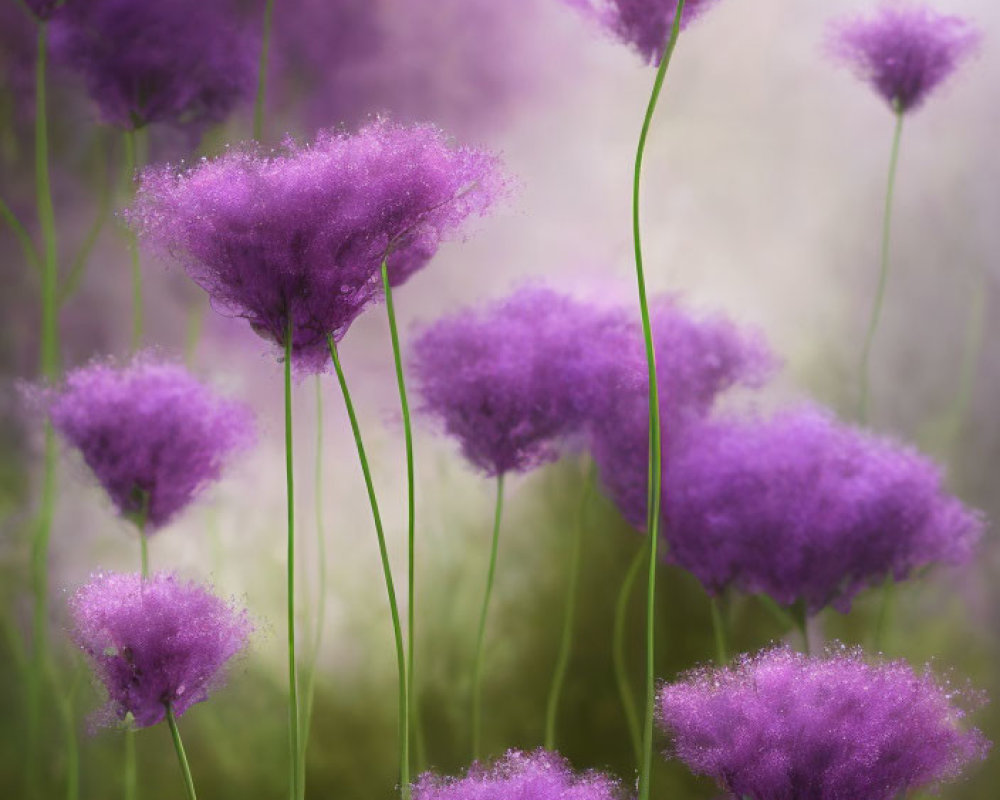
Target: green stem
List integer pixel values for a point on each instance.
(140, 524)
(265, 46)
(65, 702)
(618, 654)
(181, 755)
(883, 270)
(801, 617)
(779, 614)
(195, 324)
(131, 773)
(131, 164)
(654, 488)
(477, 667)
(566, 642)
(404, 755)
(23, 238)
(82, 257)
(719, 630)
(293, 690)
(884, 613)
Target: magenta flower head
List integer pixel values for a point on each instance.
(807, 510)
(642, 24)
(540, 775)
(510, 381)
(296, 239)
(183, 62)
(153, 436)
(155, 642)
(783, 725)
(904, 52)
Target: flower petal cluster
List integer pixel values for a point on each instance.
(904, 52)
(153, 435)
(783, 725)
(296, 238)
(807, 510)
(185, 62)
(540, 775)
(155, 641)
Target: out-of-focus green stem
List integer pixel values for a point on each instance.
(884, 613)
(140, 526)
(801, 616)
(175, 734)
(719, 630)
(23, 238)
(265, 47)
(131, 773)
(131, 165)
(293, 687)
(82, 257)
(780, 615)
(618, 654)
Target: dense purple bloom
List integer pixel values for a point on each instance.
(643, 24)
(808, 510)
(511, 381)
(904, 52)
(697, 359)
(155, 641)
(783, 725)
(540, 775)
(184, 62)
(298, 237)
(150, 433)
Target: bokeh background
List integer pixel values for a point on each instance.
(763, 194)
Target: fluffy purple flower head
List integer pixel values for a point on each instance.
(153, 436)
(697, 359)
(297, 238)
(643, 24)
(783, 725)
(510, 380)
(807, 510)
(155, 641)
(904, 52)
(183, 62)
(540, 775)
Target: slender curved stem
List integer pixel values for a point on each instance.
(779, 614)
(566, 641)
(618, 654)
(477, 667)
(140, 525)
(82, 257)
(655, 465)
(719, 630)
(293, 689)
(181, 755)
(131, 165)
(265, 47)
(65, 701)
(404, 755)
(802, 623)
(883, 270)
(23, 238)
(884, 613)
(131, 772)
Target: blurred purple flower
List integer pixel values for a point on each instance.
(783, 725)
(540, 775)
(183, 62)
(904, 52)
(150, 433)
(643, 24)
(697, 359)
(807, 510)
(298, 237)
(155, 641)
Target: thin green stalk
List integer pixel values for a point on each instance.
(779, 614)
(181, 755)
(131, 772)
(883, 270)
(65, 702)
(140, 520)
(265, 46)
(618, 654)
(477, 668)
(23, 238)
(654, 488)
(293, 689)
(411, 512)
(82, 258)
(719, 631)
(566, 642)
(802, 623)
(884, 613)
(404, 753)
(131, 164)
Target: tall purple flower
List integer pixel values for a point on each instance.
(904, 52)
(643, 24)
(155, 641)
(783, 725)
(297, 238)
(153, 436)
(183, 62)
(807, 510)
(540, 775)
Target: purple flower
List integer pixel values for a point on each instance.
(297, 238)
(152, 435)
(540, 775)
(697, 359)
(155, 641)
(510, 381)
(904, 52)
(783, 725)
(183, 62)
(807, 510)
(643, 24)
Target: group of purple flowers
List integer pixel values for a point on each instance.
(301, 240)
